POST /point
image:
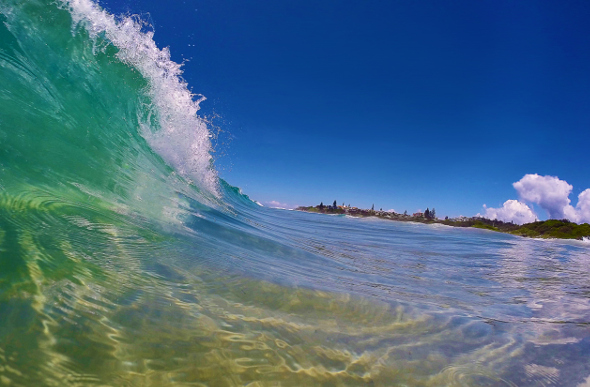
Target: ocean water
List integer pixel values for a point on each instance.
(126, 261)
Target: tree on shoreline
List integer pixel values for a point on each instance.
(551, 228)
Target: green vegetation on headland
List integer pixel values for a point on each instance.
(551, 228)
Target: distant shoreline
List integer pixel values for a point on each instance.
(551, 228)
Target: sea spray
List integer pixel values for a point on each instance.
(180, 136)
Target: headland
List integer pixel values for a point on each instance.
(551, 228)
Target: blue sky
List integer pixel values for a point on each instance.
(401, 104)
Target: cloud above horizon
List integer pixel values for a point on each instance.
(512, 211)
(277, 204)
(548, 192)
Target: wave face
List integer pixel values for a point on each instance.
(125, 261)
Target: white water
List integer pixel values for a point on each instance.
(173, 130)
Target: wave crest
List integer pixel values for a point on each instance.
(174, 130)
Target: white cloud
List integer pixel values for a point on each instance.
(583, 206)
(550, 193)
(276, 204)
(511, 211)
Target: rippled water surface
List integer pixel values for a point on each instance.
(125, 261)
(298, 299)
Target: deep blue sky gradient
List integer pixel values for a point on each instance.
(404, 104)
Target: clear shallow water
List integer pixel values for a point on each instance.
(124, 261)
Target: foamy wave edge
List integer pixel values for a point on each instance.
(183, 139)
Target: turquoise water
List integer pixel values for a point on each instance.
(126, 261)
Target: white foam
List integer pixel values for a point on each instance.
(182, 139)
